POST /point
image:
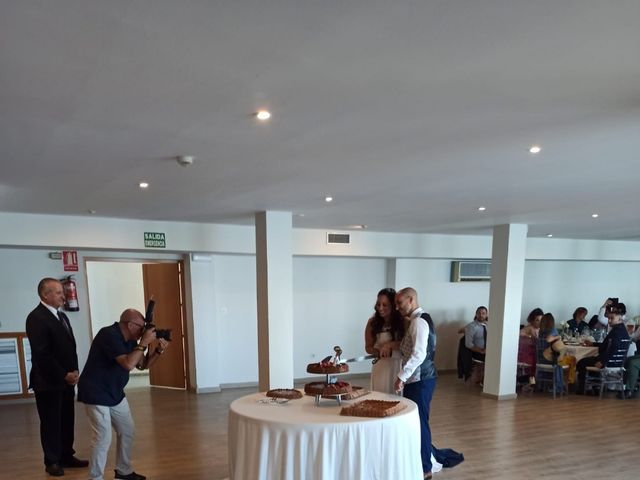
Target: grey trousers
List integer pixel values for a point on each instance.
(101, 419)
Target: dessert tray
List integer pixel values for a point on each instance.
(286, 393)
(373, 408)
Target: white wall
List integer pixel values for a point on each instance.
(22, 269)
(560, 287)
(334, 291)
(451, 305)
(113, 287)
(235, 308)
(332, 300)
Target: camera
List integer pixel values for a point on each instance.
(148, 322)
(616, 307)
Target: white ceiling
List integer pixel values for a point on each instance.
(411, 114)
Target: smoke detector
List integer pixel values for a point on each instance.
(185, 160)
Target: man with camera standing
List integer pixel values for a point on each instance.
(115, 351)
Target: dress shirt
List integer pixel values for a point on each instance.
(474, 335)
(419, 331)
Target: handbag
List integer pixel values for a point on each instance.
(555, 350)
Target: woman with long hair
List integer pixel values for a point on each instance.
(382, 338)
(547, 336)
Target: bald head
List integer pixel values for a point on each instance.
(131, 315)
(409, 292)
(406, 301)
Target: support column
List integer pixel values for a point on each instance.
(391, 273)
(274, 278)
(505, 305)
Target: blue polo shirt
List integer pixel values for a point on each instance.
(103, 379)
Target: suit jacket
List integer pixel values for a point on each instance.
(53, 350)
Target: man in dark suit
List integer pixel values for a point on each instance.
(54, 374)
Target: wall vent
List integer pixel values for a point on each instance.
(342, 238)
(477, 271)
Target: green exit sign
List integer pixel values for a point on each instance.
(154, 240)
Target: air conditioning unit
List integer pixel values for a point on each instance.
(470, 271)
(342, 238)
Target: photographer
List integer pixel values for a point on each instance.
(115, 351)
(602, 313)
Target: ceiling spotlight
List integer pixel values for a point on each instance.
(482, 209)
(91, 211)
(328, 199)
(185, 160)
(535, 149)
(549, 235)
(263, 115)
(143, 185)
(595, 215)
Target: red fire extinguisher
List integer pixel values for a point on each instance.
(70, 294)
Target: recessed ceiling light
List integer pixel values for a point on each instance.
(328, 199)
(299, 214)
(595, 215)
(91, 211)
(535, 149)
(143, 185)
(549, 235)
(359, 227)
(263, 115)
(482, 209)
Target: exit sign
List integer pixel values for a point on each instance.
(154, 240)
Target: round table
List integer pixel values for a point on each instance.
(301, 441)
(581, 351)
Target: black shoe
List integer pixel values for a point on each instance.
(74, 462)
(55, 470)
(131, 476)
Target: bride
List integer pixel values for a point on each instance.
(382, 338)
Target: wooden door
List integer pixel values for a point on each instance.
(163, 281)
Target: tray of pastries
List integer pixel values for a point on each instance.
(327, 389)
(373, 408)
(286, 393)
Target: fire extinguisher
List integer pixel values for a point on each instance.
(70, 294)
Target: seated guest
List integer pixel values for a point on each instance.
(533, 324)
(602, 313)
(475, 335)
(527, 347)
(577, 324)
(547, 337)
(632, 370)
(612, 342)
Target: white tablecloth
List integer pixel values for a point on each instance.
(301, 441)
(581, 352)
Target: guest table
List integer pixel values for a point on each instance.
(580, 351)
(300, 440)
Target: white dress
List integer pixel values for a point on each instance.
(385, 371)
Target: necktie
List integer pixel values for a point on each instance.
(63, 320)
(484, 328)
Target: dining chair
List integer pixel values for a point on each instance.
(612, 374)
(546, 374)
